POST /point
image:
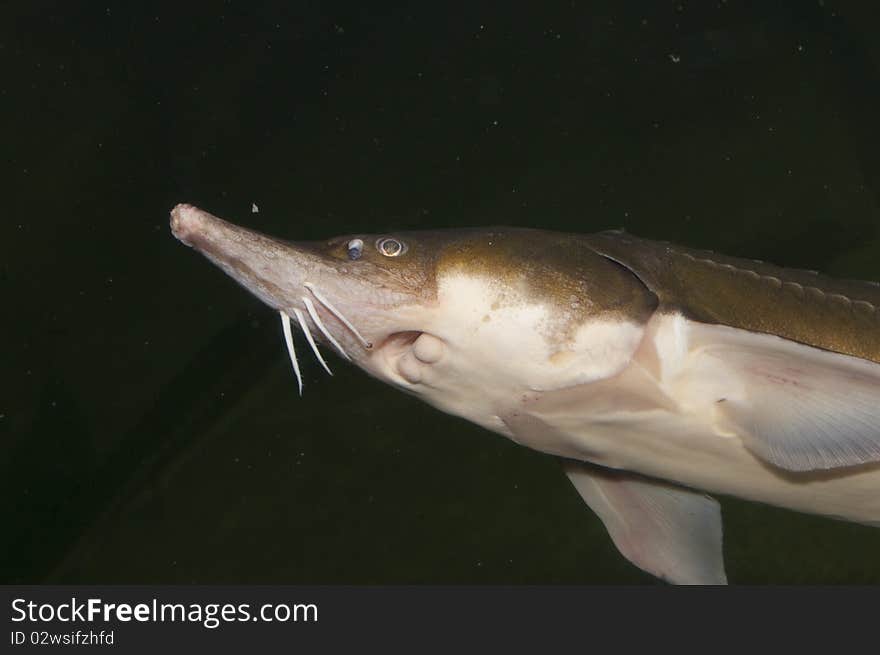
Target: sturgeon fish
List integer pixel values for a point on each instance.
(657, 373)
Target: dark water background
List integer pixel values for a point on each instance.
(149, 423)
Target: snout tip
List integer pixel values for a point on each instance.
(186, 220)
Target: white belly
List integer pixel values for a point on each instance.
(661, 417)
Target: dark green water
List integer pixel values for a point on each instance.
(149, 424)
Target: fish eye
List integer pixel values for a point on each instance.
(390, 247)
(355, 249)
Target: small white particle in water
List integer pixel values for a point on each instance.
(674, 58)
(254, 208)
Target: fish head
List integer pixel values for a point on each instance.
(470, 320)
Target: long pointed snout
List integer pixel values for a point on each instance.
(272, 269)
(296, 279)
(216, 238)
(188, 222)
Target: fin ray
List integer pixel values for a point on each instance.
(666, 530)
(801, 408)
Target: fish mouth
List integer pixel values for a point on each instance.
(407, 357)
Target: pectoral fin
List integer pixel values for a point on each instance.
(668, 531)
(798, 407)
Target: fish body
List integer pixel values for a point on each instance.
(657, 373)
